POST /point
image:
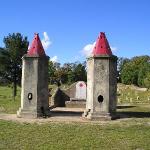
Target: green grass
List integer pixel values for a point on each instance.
(119, 136)
(7, 103)
(124, 134)
(126, 94)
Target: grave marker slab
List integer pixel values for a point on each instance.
(80, 92)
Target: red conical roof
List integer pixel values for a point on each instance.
(36, 47)
(102, 46)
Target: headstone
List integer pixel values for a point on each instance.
(77, 94)
(80, 92)
(138, 98)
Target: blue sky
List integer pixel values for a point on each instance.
(70, 27)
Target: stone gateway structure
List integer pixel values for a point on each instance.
(101, 81)
(100, 94)
(34, 93)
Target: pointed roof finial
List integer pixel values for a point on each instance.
(36, 47)
(102, 46)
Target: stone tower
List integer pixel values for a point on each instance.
(34, 93)
(101, 81)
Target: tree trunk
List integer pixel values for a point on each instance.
(14, 85)
(14, 90)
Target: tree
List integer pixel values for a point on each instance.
(147, 80)
(10, 58)
(77, 72)
(120, 65)
(136, 70)
(80, 72)
(143, 74)
(71, 77)
(51, 72)
(68, 73)
(129, 74)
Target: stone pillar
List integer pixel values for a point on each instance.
(101, 86)
(34, 92)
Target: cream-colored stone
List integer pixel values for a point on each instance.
(34, 92)
(101, 87)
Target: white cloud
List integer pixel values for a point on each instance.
(46, 41)
(54, 59)
(114, 49)
(29, 47)
(87, 50)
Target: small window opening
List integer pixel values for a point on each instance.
(100, 99)
(29, 96)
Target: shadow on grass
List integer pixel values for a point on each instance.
(122, 112)
(67, 113)
(129, 114)
(123, 107)
(120, 115)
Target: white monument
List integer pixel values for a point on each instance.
(80, 90)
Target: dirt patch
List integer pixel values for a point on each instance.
(68, 115)
(56, 117)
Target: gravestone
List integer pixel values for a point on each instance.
(77, 94)
(76, 91)
(80, 93)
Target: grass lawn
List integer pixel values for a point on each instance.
(127, 94)
(132, 133)
(7, 103)
(125, 135)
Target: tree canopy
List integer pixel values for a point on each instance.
(68, 73)
(136, 71)
(131, 71)
(10, 58)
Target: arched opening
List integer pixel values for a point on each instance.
(100, 99)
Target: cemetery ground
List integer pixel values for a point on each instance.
(132, 131)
